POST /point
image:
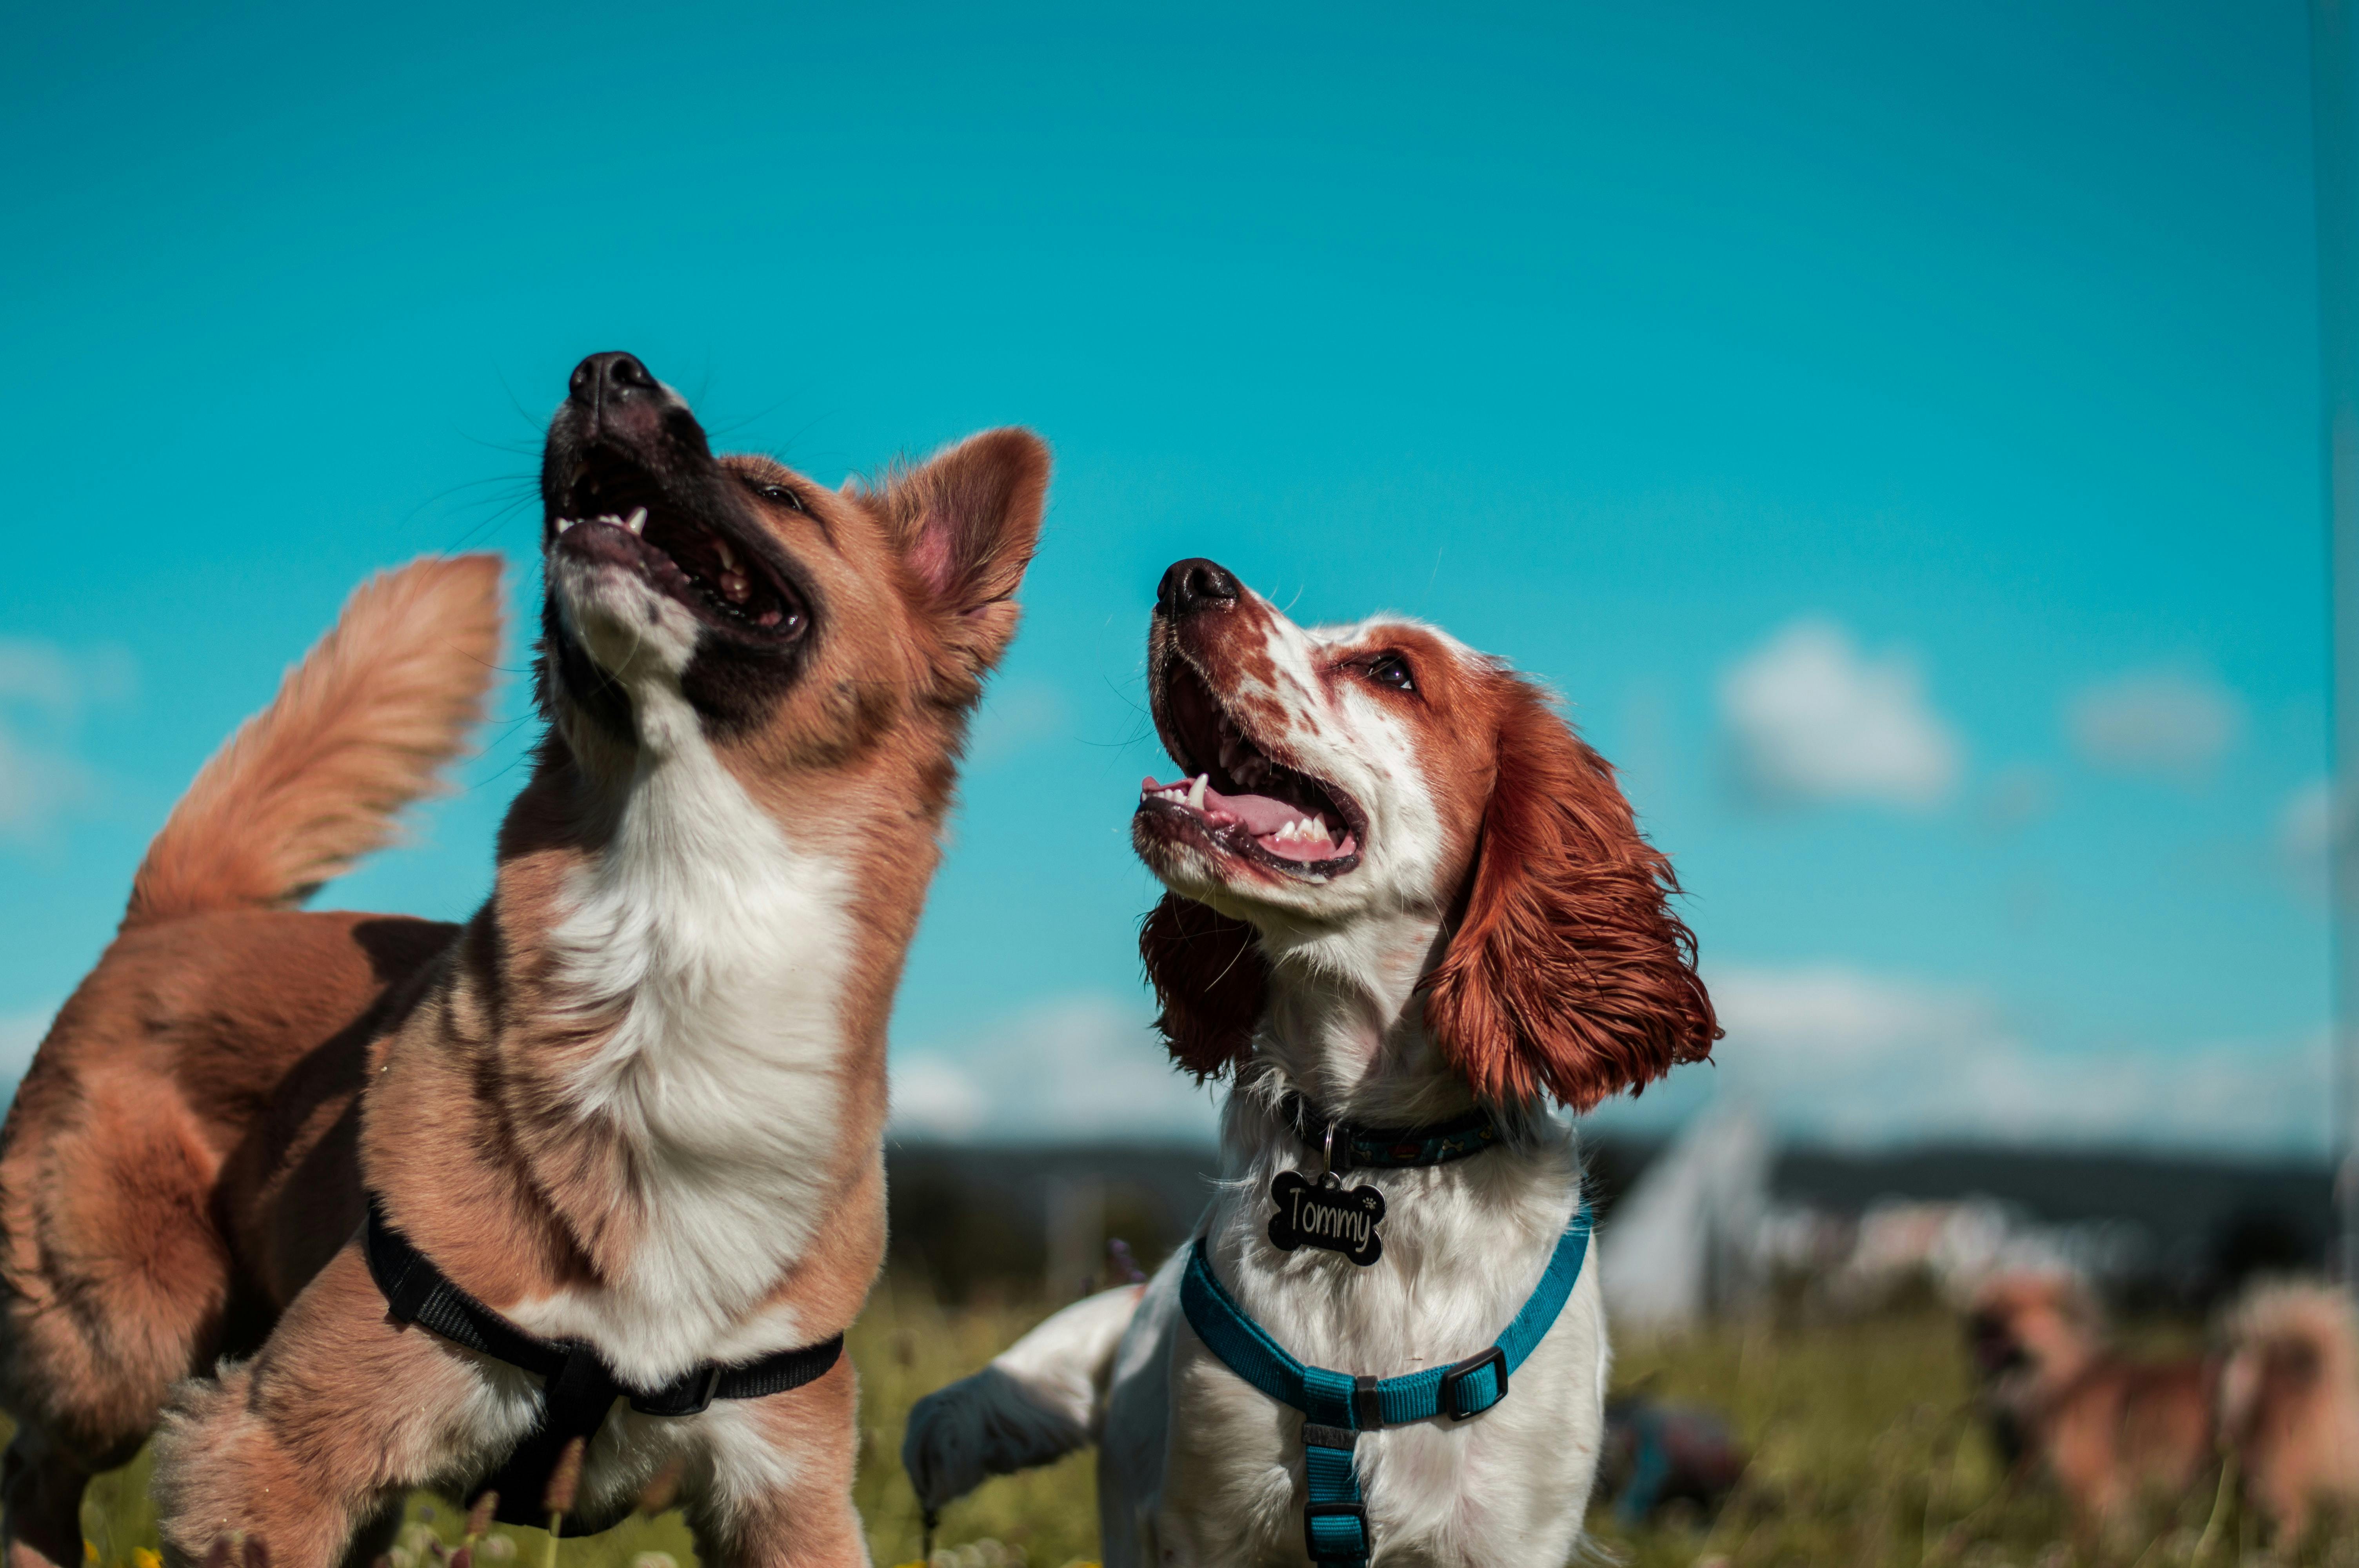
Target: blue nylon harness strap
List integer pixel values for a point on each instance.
(1338, 1407)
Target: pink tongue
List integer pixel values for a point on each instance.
(1259, 814)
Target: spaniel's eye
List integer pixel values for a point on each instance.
(782, 495)
(1392, 670)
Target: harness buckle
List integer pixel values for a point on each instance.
(1367, 1403)
(1458, 1399)
(1345, 1536)
(698, 1397)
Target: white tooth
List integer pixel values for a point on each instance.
(563, 523)
(637, 521)
(728, 555)
(1196, 792)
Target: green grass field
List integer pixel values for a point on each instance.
(1864, 1454)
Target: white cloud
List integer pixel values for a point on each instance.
(2306, 826)
(20, 1034)
(1837, 1053)
(44, 674)
(2154, 721)
(36, 784)
(1076, 1069)
(44, 689)
(1015, 718)
(1815, 718)
(937, 1098)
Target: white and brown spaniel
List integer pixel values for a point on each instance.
(1404, 895)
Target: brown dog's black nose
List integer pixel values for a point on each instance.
(609, 378)
(1194, 585)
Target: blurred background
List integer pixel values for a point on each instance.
(1896, 430)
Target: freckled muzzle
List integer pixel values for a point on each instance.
(1238, 799)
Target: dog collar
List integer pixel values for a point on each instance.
(1337, 1407)
(1349, 1146)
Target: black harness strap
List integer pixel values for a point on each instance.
(580, 1387)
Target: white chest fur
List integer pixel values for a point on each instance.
(722, 950)
(1464, 1244)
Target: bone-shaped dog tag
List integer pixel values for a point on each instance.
(1326, 1214)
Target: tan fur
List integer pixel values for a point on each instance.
(2290, 1402)
(2113, 1431)
(183, 1170)
(202, 1053)
(310, 784)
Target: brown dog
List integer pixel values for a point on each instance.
(2112, 1430)
(633, 1107)
(2289, 1402)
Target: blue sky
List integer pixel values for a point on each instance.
(1894, 430)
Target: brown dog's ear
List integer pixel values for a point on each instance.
(1210, 980)
(966, 521)
(1567, 975)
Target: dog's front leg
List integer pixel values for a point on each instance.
(781, 1487)
(339, 1412)
(40, 1505)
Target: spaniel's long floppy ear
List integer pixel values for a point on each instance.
(1210, 980)
(967, 520)
(1568, 974)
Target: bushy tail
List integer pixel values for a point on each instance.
(2289, 1400)
(358, 731)
(2287, 1338)
(1039, 1399)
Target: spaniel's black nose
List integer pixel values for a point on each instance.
(1193, 585)
(604, 379)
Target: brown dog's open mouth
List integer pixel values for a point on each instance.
(614, 513)
(1994, 1346)
(1236, 798)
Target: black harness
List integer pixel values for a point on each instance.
(581, 1388)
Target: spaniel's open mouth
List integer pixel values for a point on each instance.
(1237, 799)
(614, 513)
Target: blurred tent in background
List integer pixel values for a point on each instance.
(1684, 1244)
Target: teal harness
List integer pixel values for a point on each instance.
(1338, 1407)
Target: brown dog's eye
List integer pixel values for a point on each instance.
(782, 494)
(1392, 670)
